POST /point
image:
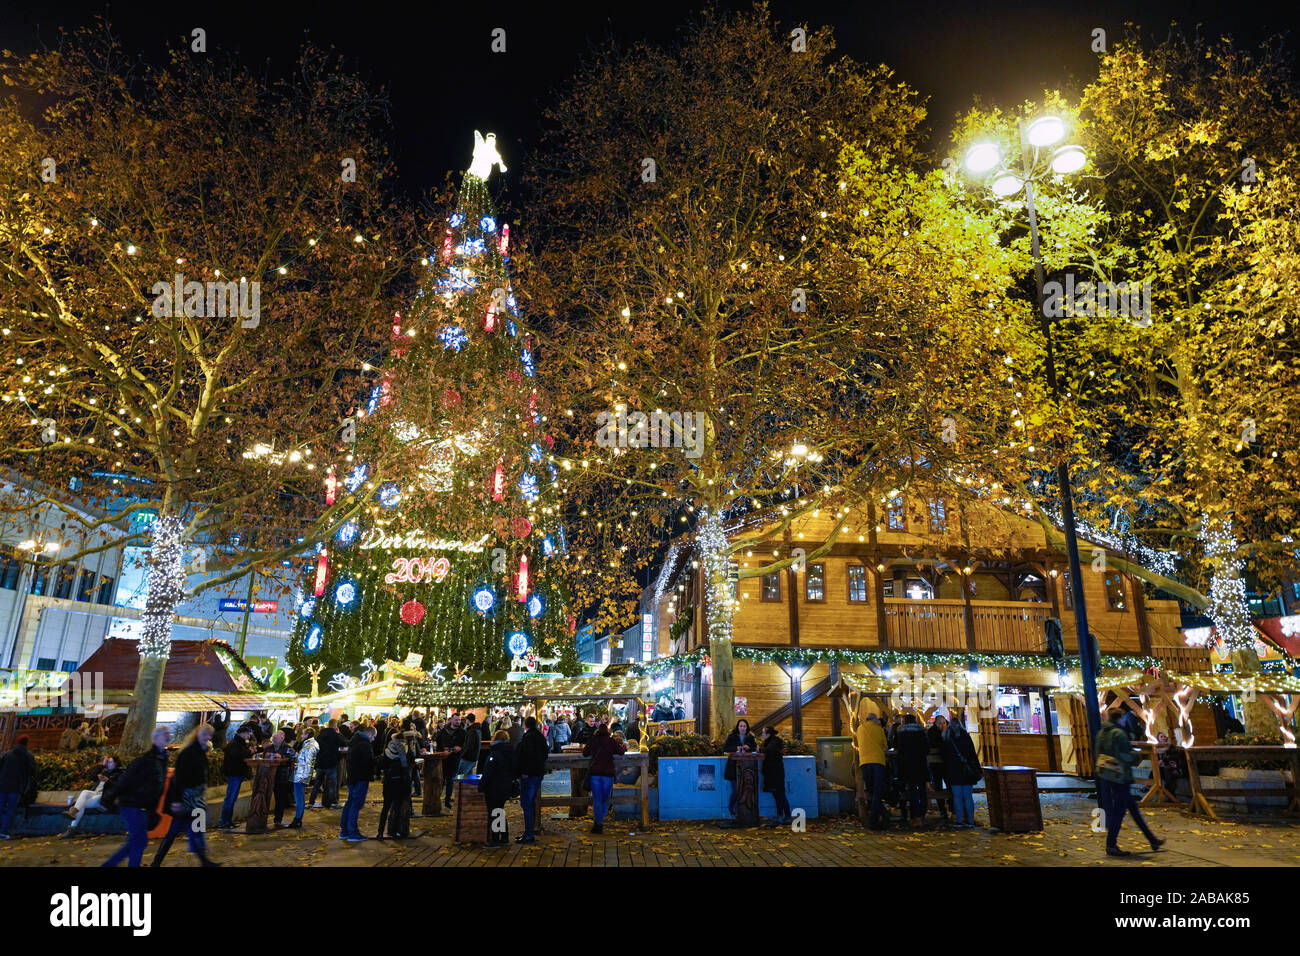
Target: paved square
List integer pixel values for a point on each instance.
(1067, 840)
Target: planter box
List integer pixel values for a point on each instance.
(693, 788)
(1244, 778)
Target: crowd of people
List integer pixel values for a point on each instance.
(328, 763)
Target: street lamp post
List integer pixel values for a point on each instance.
(1045, 132)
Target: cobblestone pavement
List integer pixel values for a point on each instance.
(1067, 840)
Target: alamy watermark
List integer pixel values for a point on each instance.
(212, 300)
(951, 689)
(1130, 300)
(82, 692)
(659, 429)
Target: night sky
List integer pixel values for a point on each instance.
(444, 81)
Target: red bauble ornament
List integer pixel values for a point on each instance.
(450, 398)
(412, 612)
(521, 527)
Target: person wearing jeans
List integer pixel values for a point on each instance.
(236, 771)
(137, 795)
(361, 766)
(1115, 782)
(602, 749)
(16, 770)
(533, 749)
(961, 769)
(871, 757)
(185, 800)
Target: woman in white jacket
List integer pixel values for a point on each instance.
(302, 771)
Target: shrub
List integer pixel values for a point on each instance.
(684, 745)
(1254, 740)
(75, 769)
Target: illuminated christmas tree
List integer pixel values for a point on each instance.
(453, 558)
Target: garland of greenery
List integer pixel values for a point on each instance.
(885, 659)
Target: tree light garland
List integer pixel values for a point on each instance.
(166, 587)
(1229, 608)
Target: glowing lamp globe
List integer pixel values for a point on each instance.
(1068, 159)
(536, 605)
(517, 643)
(312, 642)
(982, 157)
(483, 599)
(1006, 184)
(345, 594)
(1045, 131)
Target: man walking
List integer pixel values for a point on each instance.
(361, 766)
(137, 792)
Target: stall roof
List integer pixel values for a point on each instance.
(431, 693)
(595, 688)
(1221, 683)
(200, 675)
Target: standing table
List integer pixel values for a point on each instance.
(259, 805)
(433, 782)
(746, 788)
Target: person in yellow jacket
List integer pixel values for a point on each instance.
(871, 757)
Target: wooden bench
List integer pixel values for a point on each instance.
(1249, 754)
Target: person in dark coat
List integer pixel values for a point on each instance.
(326, 784)
(136, 793)
(496, 784)
(361, 766)
(602, 749)
(774, 772)
(961, 769)
(470, 749)
(236, 771)
(452, 739)
(220, 726)
(282, 786)
(740, 740)
(395, 772)
(935, 761)
(185, 797)
(17, 771)
(530, 758)
(913, 765)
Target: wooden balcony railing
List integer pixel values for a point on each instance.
(999, 626)
(1194, 660)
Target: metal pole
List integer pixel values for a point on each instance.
(248, 607)
(1084, 637)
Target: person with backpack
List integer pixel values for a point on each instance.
(17, 776)
(1114, 769)
(961, 768)
(395, 772)
(136, 793)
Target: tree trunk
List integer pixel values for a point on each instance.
(1231, 615)
(140, 720)
(721, 605)
(1258, 716)
(165, 589)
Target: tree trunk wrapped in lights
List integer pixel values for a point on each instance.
(1230, 612)
(721, 607)
(166, 587)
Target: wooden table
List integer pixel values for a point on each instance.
(578, 802)
(1226, 754)
(746, 785)
(433, 782)
(259, 805)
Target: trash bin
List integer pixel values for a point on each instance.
(836, 760)
(1013, 798)
(471, 821)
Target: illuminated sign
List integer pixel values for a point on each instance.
(374, 538)
(239, 604)
(415, 570)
